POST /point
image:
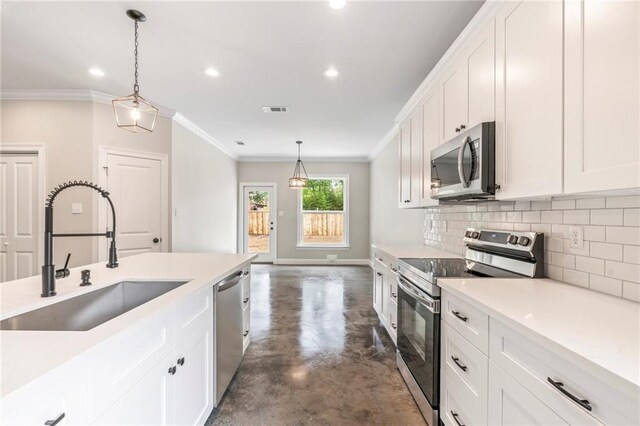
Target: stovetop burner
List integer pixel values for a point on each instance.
(441, 267)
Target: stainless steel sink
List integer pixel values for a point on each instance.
(85, 312)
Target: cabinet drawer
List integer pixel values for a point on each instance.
(393, 286)
(455, 408)
(246, 282)
(392, 327)
(381, 258)
(192, 312)
(467, 367)
(533, 366)
(466, 320)
(246, 318)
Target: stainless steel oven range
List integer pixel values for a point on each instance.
(496, 254)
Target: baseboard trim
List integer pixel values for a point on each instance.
(353, 262)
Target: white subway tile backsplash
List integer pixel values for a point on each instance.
(631, 254)
(590, 264)
(606, 285)
(623, 271)
(607, 217)
(628, 201)
(594, 233)
(606, 251)
(631, 217)
(608, 262)
(631, 291)
(576, 217)
(590, 203)
(623, 235)
(563, 204)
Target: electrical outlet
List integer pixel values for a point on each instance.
(576, 237)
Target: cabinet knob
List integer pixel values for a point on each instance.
(181, 361)
(379, 274)
(172, 370)
(55, 421)
(462, 127)
(457, 129)
(394, 295)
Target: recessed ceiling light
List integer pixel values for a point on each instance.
(331, 73)
(212, 72)
(337, 4)
(96, 72)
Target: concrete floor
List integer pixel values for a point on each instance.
(318, 354)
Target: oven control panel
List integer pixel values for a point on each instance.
(521, 241)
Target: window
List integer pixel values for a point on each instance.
(323, 215)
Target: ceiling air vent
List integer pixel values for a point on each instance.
(240, 143)
(271, 109)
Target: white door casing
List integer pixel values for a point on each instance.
(272, 189)
(21, 210)
(138, 186)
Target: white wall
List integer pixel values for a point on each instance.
(205, 195)
(390, 224)
(280, 172)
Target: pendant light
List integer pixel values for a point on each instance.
(133, 112)
(298, 181)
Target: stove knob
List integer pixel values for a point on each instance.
(524, 241)
(513, 239)
(475, 234)
(467, 234)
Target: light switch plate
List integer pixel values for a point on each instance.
(76, 208)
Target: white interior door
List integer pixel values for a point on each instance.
(259, 217)
(18, 216)
(135, 187)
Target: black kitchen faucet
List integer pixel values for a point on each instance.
(49, 273)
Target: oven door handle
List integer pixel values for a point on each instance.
(463, 145)
(429, 303)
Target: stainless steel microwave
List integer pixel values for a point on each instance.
(464, 167)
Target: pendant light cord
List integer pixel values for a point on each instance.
(136, 88)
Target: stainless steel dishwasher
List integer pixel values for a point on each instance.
(228, 331)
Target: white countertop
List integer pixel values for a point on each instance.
(597, 332)
(26, 355)
(413, 251)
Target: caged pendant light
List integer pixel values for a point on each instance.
(133, 112)
(298, 181)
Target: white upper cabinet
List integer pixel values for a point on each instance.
(602, 95)
(529, 99)
(430, 140)
(410, 167)
(467, 88)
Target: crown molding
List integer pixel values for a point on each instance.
(305, 160)
(384, 141)
(486, 12)
(68, 95)
(191, 126)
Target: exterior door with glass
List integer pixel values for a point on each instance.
(259, 221)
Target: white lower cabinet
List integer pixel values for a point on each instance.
(385, 292)
(511, 404)
(246, 308)
(455, 408)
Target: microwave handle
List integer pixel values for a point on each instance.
(463, 145)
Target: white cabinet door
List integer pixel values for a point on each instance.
(381, 276)
(193, 399)
(430, 140)
(602, 95)
(480, 61)
(148, 402)
(416, 157)
(405, 164)
(529, 98)
(511, 404)
(453, 93)
(377, 292)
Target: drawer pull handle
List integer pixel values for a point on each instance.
(395, 326)
(56, 421)
(181, 361)
(394, 269)
(455, 417)
(379, 274)
(245, 333)
(245, 300)
(584, 403)
(394, 295)
(460, 316)
(172, 370)
(459, 364)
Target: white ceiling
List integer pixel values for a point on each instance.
(268, 53)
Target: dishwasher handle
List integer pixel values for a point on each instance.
(230, 281)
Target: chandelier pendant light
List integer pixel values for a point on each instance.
(298, 180)
(133, 112)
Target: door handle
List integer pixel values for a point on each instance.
(463, 145)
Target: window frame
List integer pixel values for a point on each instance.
(300, 231)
